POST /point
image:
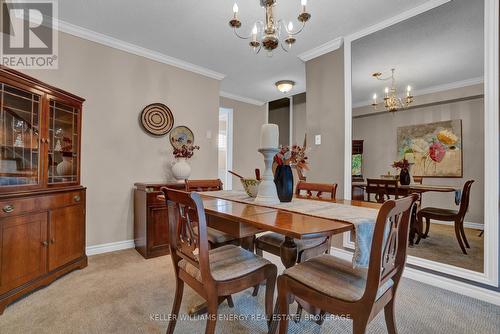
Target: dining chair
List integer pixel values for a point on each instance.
(456, 216)
(212, 273)
(216, 238)
(333, 285)
(306, 248)
(382, 189)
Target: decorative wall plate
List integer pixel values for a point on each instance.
(181, 135)
(157, 119)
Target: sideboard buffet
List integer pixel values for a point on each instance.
(42, 203)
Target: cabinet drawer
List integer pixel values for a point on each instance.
(18, 206)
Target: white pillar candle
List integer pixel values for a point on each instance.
(269, 136)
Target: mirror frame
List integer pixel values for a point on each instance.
(491, 137)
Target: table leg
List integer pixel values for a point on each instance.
(288, 252)
(248, 243)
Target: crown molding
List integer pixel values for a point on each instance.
(241, 98)
(135, 49)
(322, 49)
(433, 89)
(431, 4)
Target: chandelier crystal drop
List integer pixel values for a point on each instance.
(271, 33)
(392, 102)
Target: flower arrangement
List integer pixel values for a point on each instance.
(294, 156)
(185, 151)
(402, 164)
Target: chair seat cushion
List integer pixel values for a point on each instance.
(275, 239)
(227, 262)
(437, 212)
(216, 237)
(334, 277)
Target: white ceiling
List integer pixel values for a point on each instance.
(441, 46)
(197, 31)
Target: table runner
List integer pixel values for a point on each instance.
(362, 218)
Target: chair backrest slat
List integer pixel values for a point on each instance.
(389, 243)
(186, 214)
(203, 185)
(318, 188)
(464, 200)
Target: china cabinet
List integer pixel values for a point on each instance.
(42, 204)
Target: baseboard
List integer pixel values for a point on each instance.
(452, 285)
(475, 226)
(110, 247)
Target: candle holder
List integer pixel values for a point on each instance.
(267, 189)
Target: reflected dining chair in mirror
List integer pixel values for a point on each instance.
(456, 216)
(306, 248)
(212, 273)
(216, 238)
(333, 285)
(382, 189)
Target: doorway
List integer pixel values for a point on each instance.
(225, 146)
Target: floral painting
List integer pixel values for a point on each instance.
(433, 149)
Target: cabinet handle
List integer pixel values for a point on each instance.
(52, 241)
(76, 198)
(45, 243)
(8, 208)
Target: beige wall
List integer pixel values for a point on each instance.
(247, 121)
(116, 152)
(299, 122)
(325, 116)
(380, 148)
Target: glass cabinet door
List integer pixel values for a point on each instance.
(63, 143)
(20, 113)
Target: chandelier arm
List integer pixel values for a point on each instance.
(298, 31)
(281, 43)
(239, 36)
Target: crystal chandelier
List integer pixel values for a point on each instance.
(272, 32)
(392, 102)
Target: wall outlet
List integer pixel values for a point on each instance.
(317, 139)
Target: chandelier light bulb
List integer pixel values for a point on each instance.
(386, 90)
(235, 8)
(303, 2)
(408, 89)
(254, 29)
(374, 97)
(290, 27)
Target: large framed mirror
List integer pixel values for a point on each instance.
(422, 116)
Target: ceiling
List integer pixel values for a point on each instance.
(441, 46)
(197, 32)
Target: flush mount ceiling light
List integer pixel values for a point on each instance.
(285, 86)
(272, 32)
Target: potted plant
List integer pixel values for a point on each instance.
(404, 174)
(283, 177)
(181, 168)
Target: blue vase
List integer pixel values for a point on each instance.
(283, 179)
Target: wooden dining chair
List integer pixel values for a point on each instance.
(383, 189)
(216, 238)
(321, 189)
(212, 273)
(456, 216)
(306, 248)
(333, 285)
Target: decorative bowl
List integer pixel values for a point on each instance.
(251, 186)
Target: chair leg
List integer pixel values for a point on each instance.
(179, 289)
(390, 317)
(269, 298)
(359, 326)
(418, 229)
(211, 315)
(283, 305)
(427, 226)
(298, 314)
(459, 238)
(230, 302)
(255, 292)
(462, 232)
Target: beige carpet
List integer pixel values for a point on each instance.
(123, 293)
(442, 246)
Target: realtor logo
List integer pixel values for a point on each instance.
(29, 35)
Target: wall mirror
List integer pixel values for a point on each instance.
(419, 95)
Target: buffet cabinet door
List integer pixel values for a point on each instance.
(67, 235)
(23, 249)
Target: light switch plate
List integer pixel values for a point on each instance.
(317, 139)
